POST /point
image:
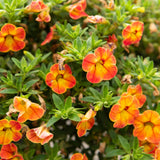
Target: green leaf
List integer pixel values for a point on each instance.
(23, 64)
(74, 117)
(135, 143)
(68, 103)
(140, 64)
(52, 121)
(58, 102)
(95, 93)
(118, 82)
(2, 70)
(124, 143)
(9, 91)
(30, 83)
(88, 99)
(17, 62)
(114, 152)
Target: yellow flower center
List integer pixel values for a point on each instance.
(23, 102)
(6, 128)
(59, 76)
(149, 124)
(126, 108)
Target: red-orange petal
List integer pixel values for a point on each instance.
(16, 126)
(17, 45)
(20, 34)
(35, 112)
(89, 62)
(8, 151)
(8, 29)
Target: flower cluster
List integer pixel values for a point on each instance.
(10, 129)
(146, 125)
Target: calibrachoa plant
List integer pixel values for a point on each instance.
(79, 80)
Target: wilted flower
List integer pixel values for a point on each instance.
(60, 79)
(133, 33)
(100, 66)
(86, 123)
(96, 19)
(39, 135)
(78, 156)
(147, 126)
(28, 110)
(11, 38)
(9, 131)
(125, 112)
(77, 10)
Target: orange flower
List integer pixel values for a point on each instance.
(125, 112)
(148, 147)
(28, 110)
(39, 135)
(133, 33)
(49, 36)
(9, 131)
(157, 154)
(60, 79)
(137, 92)
(44, 16)
(36, 6)
(96, 19)
(147, 126)
(77, 10)
(11, 38)
(39, 6)
(9, 152)
(86, 123)
(100, 66)
(79, 156)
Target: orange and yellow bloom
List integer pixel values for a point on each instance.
(78, 156)
(147, 126)
(77, 10)
(125, 112)
(60, 79)
(86, 123)
(39, 135)
(100, 66)
(39, 6)
(9, 152)
(9, 131)
(28, 110)
(11, 38)
(133, 33)
(137, 92)
(36, 6)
